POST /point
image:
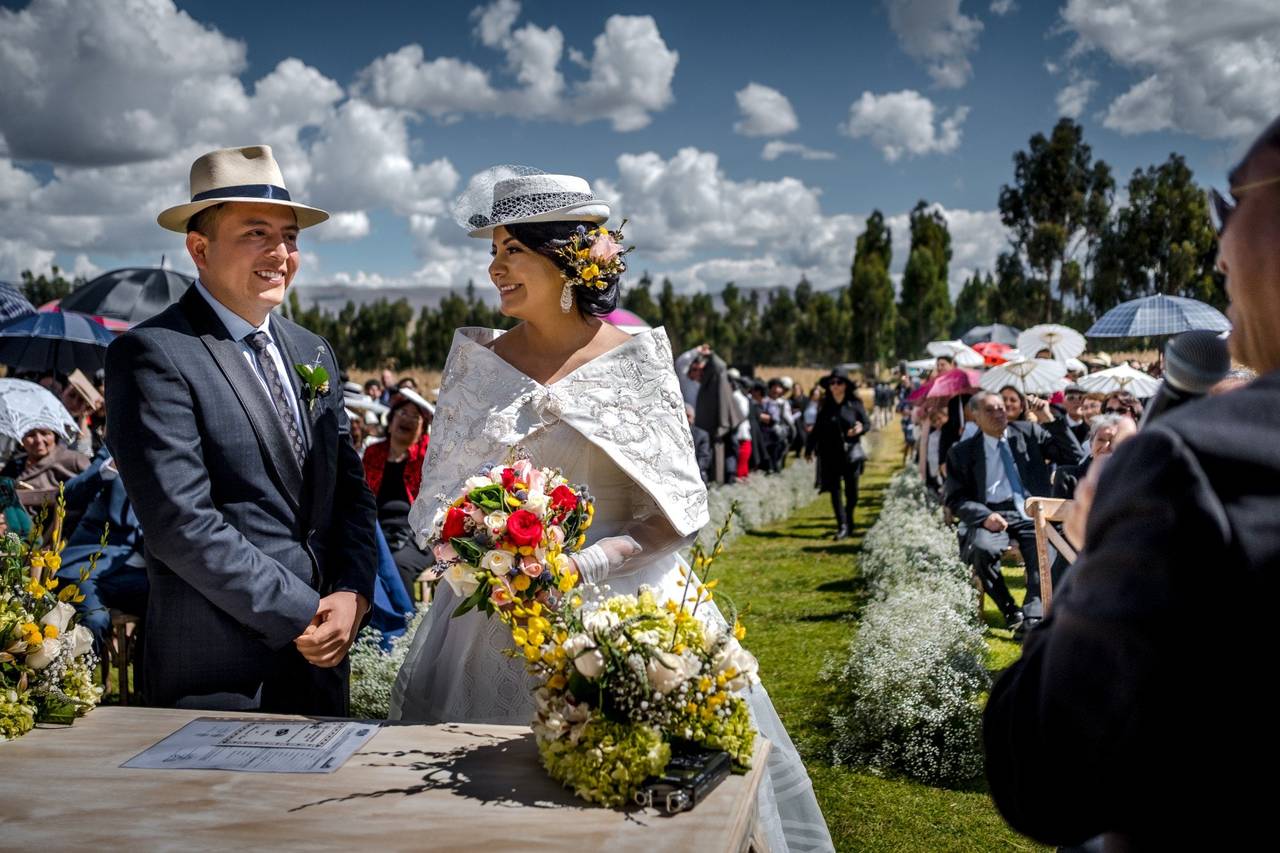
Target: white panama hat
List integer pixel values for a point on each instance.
(506, 195)
(248, 174)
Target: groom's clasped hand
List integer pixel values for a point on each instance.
(333, 629)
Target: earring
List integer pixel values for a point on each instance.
(566, 297)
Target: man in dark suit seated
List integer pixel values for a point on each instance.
(1138, 707)
(989, 477)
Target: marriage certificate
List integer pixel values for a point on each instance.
(256, 746)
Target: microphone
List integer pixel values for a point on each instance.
(1193, 363)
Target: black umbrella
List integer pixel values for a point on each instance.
(128, 295)
(12, 303)
(54, 340)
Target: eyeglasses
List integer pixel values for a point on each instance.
(1116, 410)
(837, 381)
(1221, 207)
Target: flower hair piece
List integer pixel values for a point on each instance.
(595, 256)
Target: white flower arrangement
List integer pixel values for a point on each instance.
(914, 674)
(373, 670)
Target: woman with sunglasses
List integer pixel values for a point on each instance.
(836, 438)
(1123, 403)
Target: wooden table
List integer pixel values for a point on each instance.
(412, 787)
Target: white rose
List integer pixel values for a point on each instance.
(536, 503)
(474, 483)
(437, 520)
(667, 671)
(461, 579)
(499, 563)
(601, 621)
(496, 521)
(44, 655)
(588, 659)
(733, 656)
(59, 616)
(83, 638)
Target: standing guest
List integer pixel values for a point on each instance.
(717, 413)
(259, 526)
(943, 364)
(407, 382)
(798, 400)
(836, 440)
(744, 433)
(373, 388)
(689, 367)
(989, 478)
(701, 446)
(1123, 403)
(1123, 717)
(388, 380)
(935, 473)
(82, 401)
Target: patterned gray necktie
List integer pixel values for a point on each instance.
(259, 341)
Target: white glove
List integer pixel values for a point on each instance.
(604, 558)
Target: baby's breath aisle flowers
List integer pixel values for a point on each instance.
(624, 678)
(46, 659)
(504, 544)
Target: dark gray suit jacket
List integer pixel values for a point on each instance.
(1032, 445)
(241, 542)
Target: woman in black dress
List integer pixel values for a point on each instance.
(836, 438)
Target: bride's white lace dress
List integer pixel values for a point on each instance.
(617, 425)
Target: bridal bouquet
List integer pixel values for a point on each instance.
(46, 659)
(624, 678)
(503, 545)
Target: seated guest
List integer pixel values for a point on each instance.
(1105, 432)
(1074, 398)
(1015, 404)
(989, 478)
(83, 402)
(119, 578)
(393, 470)
(934, 470)
(46, 463)
(16, 520)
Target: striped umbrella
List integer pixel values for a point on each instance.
(1158, 315)
(54, 340)
(12, 303)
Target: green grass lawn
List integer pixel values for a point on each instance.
(804, 597)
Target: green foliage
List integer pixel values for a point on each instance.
(924, 304)
(1058, 208)
(873, 316)
(46, 288)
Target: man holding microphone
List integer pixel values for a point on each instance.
(1137, 710)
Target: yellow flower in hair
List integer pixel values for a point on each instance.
(583, 253)
(590, 272)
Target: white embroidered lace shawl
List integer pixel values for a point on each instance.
(627, 402)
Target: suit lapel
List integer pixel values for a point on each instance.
(247, 388)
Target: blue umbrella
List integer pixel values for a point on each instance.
(54, 340)
(12, 303)
(1158, 315)
(997, 333)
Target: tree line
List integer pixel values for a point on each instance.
(1073, 253)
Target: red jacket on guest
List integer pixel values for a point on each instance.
(375, 460)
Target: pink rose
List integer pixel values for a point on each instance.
(502, 594)
(604, 249)
(477, 514)
(444, 553)
(522, 469)
(531, 567)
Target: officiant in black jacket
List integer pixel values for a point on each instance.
(989, 477)
(1139, 707)
(836, 439)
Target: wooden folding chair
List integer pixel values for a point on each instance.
(1045, 512)
(121, 643)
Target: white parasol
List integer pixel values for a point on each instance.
(1062, 341)
(1031, 376)
(964, 355)
(25, 406)
(1122, 378)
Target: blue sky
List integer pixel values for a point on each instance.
(103, 105)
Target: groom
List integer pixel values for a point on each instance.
(259, 526)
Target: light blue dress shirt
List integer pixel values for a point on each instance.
(239, 329)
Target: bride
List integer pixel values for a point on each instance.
(605, 408)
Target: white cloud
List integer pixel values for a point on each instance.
(628, 76)
(1073, 97)
(765, 112)
(343, 226)
(937, 33)
(16, 256)
(16, 185)
(775, 148)
(904, 122)
(1003, 7)
(1208, 69)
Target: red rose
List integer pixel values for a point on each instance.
(564, 498)
(524, 528)
(508, 479)
(454, 524)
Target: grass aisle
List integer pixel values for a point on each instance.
(804, 598)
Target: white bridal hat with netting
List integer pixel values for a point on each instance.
(505, 195)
